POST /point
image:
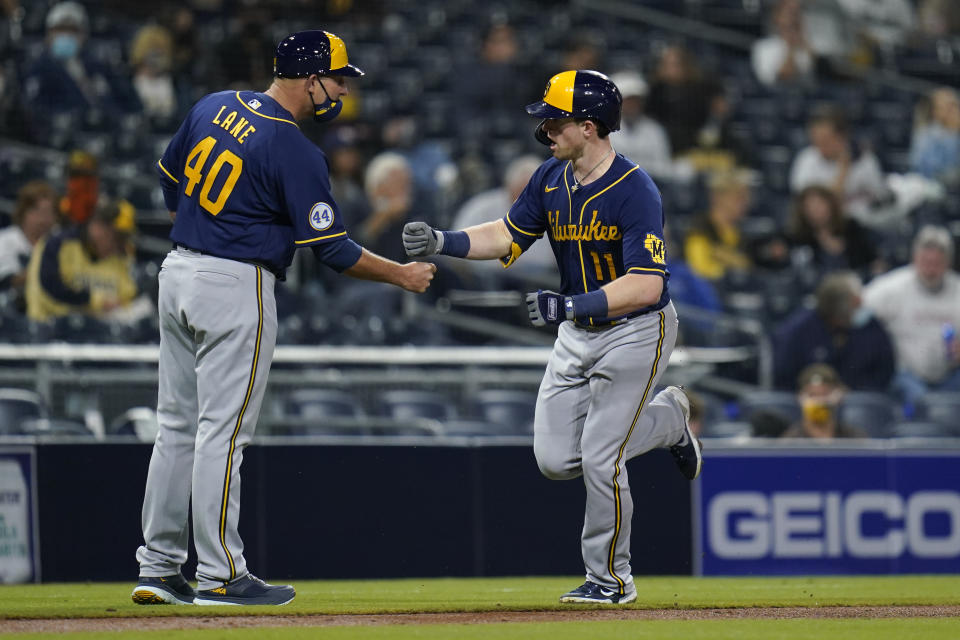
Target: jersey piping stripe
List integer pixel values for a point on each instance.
(583, 269)
(616, 465)
(332, 235)
(236, 429)
(262, 115)
(526, 233)
(650, 269)
(164, 169)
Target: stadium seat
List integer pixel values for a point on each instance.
(462, 427)
(322, 403)
(407, 404)
(941, 407)
(321, 412)
(727, 429)
(923, 429)
(55, 427)
(18, 406)
(510, 408)
(872, 412)
(781, 403)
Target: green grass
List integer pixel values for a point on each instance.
(101, 600)
(892, 629)
(494, 594)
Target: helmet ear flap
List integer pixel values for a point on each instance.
(541, 135)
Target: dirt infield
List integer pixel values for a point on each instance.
(68, 625)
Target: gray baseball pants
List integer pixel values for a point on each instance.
(594, 412)
(218, 328)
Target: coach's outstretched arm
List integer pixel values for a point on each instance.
(413, 276)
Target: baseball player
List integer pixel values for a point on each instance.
(596, 408)
(245, 188)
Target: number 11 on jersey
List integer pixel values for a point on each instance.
(608, 258)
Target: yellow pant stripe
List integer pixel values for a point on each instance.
(236, 429)
(616, 466)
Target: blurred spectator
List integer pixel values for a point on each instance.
(827, 29)
(938, 18)
(388, 183)
(537, 266)
(881, 23)
(640, 138)
(784, 57)
(66, 81)
(11, 32)
(85, 269)
(583, 52)
(188, 64)
(341, 146)
(151, 56)
(714, 244)
(682, 99)
(820, 392)
(839, 331)
(434, 172)
(919, 304)
(695, 418)
(488, 90)
(246, 53)
(34, 216)
(935, 148)
(830, 241)
(834, 161)
(83, 187)
(688, 288)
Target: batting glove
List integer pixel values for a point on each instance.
(419, 239)
(548, 307)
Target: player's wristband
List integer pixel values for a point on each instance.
(586, 305)
(454, 243)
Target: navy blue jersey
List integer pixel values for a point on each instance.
(246, 183)
(598, 232)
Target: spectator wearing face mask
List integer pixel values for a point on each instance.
(65, 88)
(820, 392)
(919, 304)
(839, 331)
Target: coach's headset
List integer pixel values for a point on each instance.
(578, 94)
(305, 53)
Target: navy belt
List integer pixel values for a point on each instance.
(606, 325)
(256, 263)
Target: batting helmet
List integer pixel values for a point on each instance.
(578, 94)
(306, 52)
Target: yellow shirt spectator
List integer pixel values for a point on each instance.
(83, 270)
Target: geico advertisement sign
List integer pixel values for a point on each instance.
(746, 525)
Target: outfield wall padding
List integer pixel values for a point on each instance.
(322, 511)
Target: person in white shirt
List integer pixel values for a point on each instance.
(784, 57)
(33, 216)
(832, 161)
(919, 305)
(640, 138)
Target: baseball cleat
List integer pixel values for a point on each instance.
(166, 590)
(688, 452)
(248, 590)
(593, 593)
